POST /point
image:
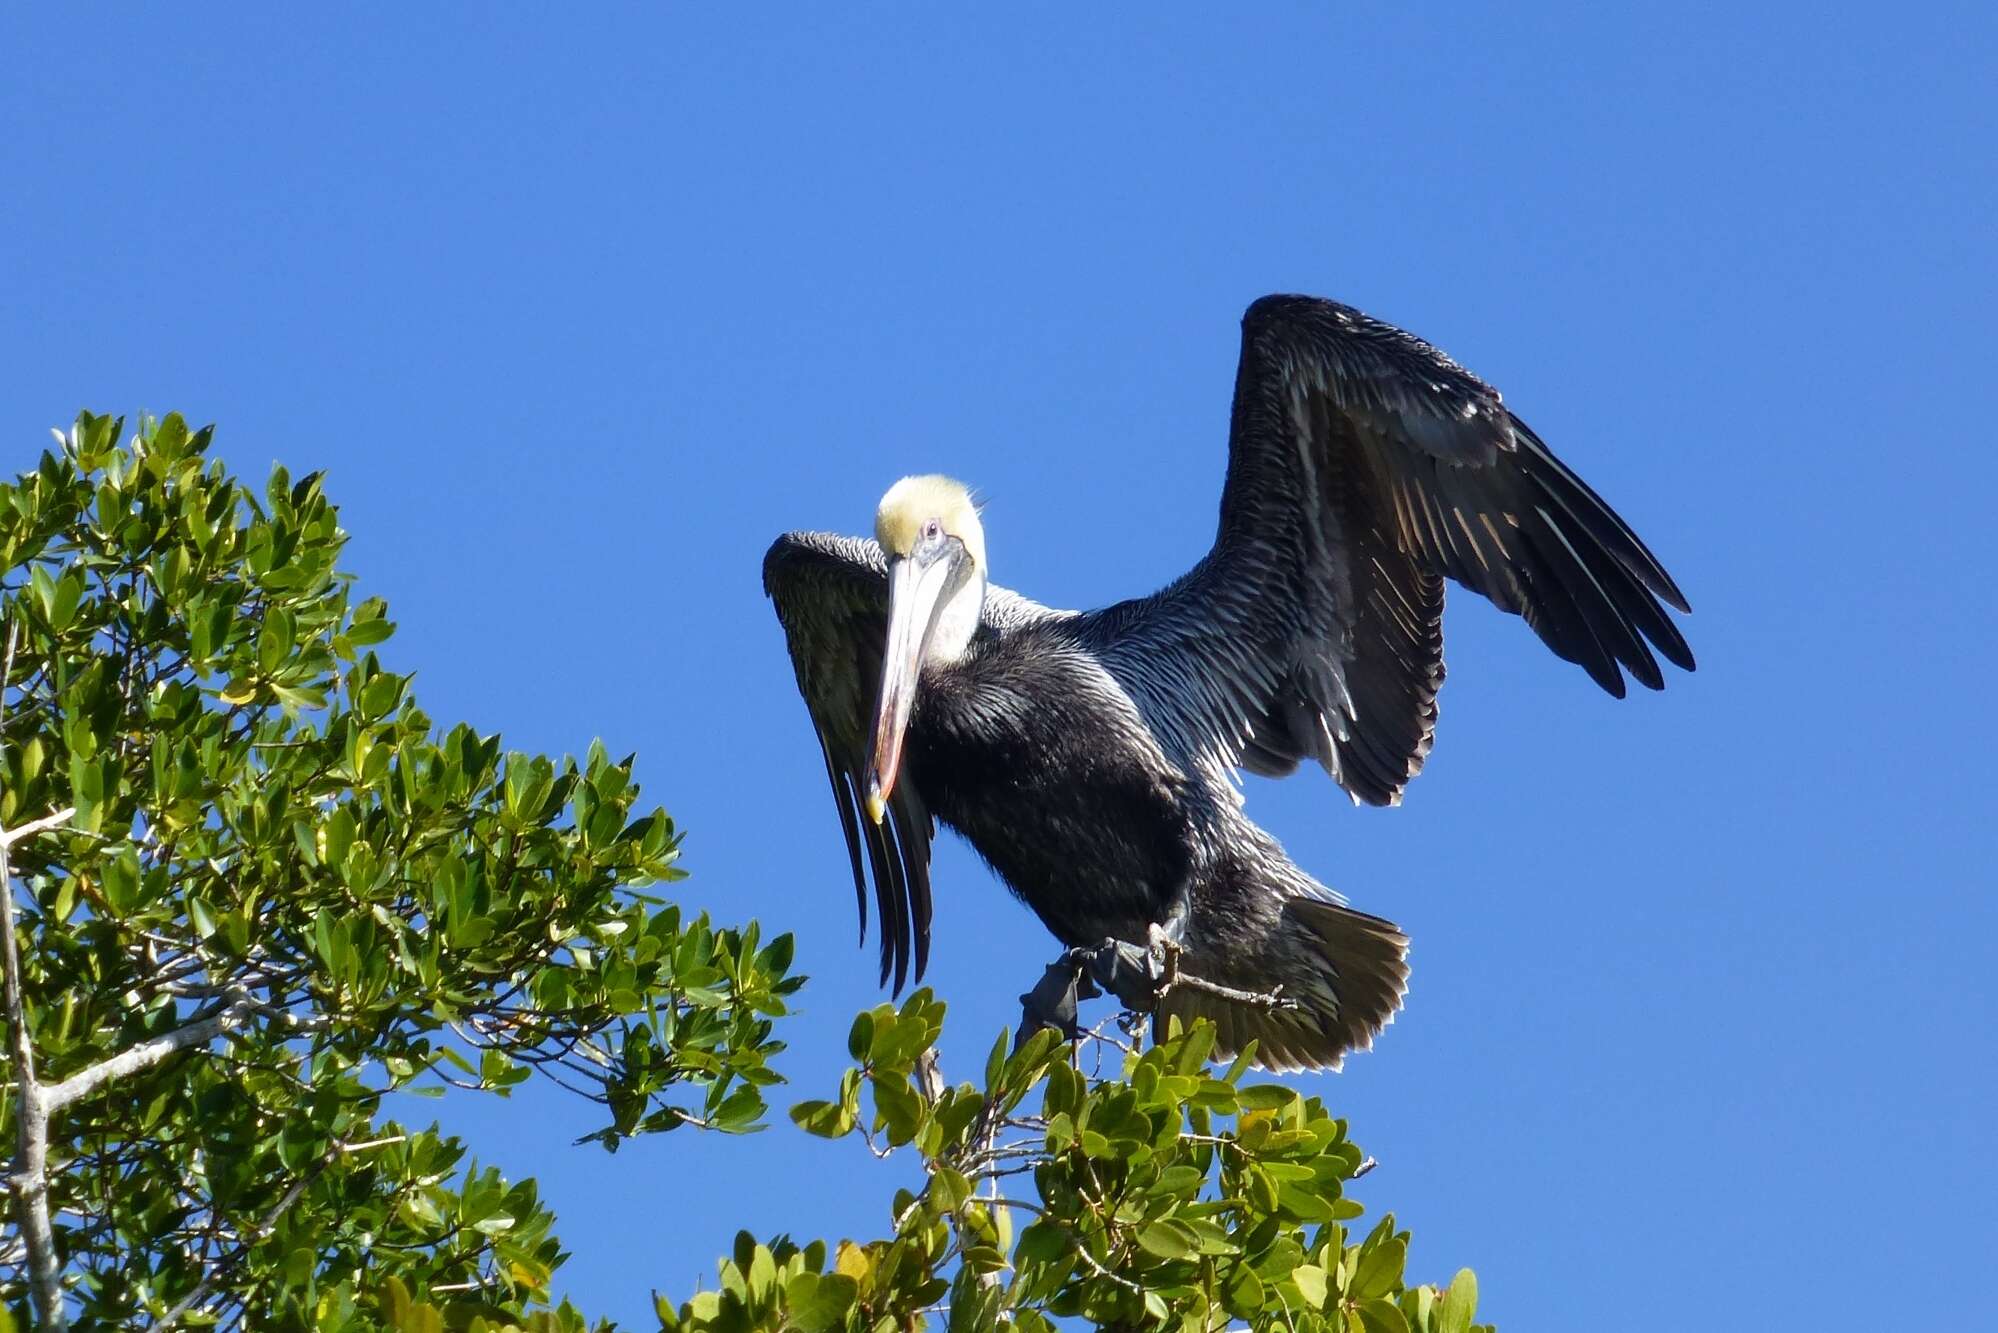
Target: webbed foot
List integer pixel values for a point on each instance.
(1127, 972)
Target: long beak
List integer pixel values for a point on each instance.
(919, 585)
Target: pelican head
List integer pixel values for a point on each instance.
(929, 529)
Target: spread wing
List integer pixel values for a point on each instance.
(1364, 468)
(831, 595)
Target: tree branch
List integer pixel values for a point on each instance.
(145, 1055)
(1167, 952)
(29, 1180)
(8, 837)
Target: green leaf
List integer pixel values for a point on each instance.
(121, 882)
(828, 1120)
(762, 1274)
(1459, 1303)
(275, 639)
(68, 593)
(1244, 1292)
(41, 586)
(818, 1302)
(367, 633)
(1379, 1270)
(1209, 1237)
(949, 1187)
(900, 1110)
(1266, 1097)
(1380, 1315)
(1167, 1239)
(169, 439)
(860, 1037)
(995, 1060)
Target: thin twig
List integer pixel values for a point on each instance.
(1096, 1265)
(1097, 1033)
(261, 1231)
(1269, 999)
(382, 1142)
(1170, 976)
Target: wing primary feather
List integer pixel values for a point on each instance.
(1638, 604)
(908, 822)
(849, 823)
(913, 828)
(898, 895)
(1560, 623)
(1605, 616)
(1593, 512)
(880, 857)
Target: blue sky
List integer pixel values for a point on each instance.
(579, 309)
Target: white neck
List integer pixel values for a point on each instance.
(958, 620)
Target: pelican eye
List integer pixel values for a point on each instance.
(932, 530)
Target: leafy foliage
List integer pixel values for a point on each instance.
(282, 893)
(1167, 1196)
(270, 835)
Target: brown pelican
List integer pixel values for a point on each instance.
(1090, 757)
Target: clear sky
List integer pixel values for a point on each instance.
(580, 306)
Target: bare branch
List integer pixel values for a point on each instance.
(383, 1142)
(1274, 998)
(146, 1054)
(1167, 952)
(929, 1076)
(29, 1180)
(8, 837)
